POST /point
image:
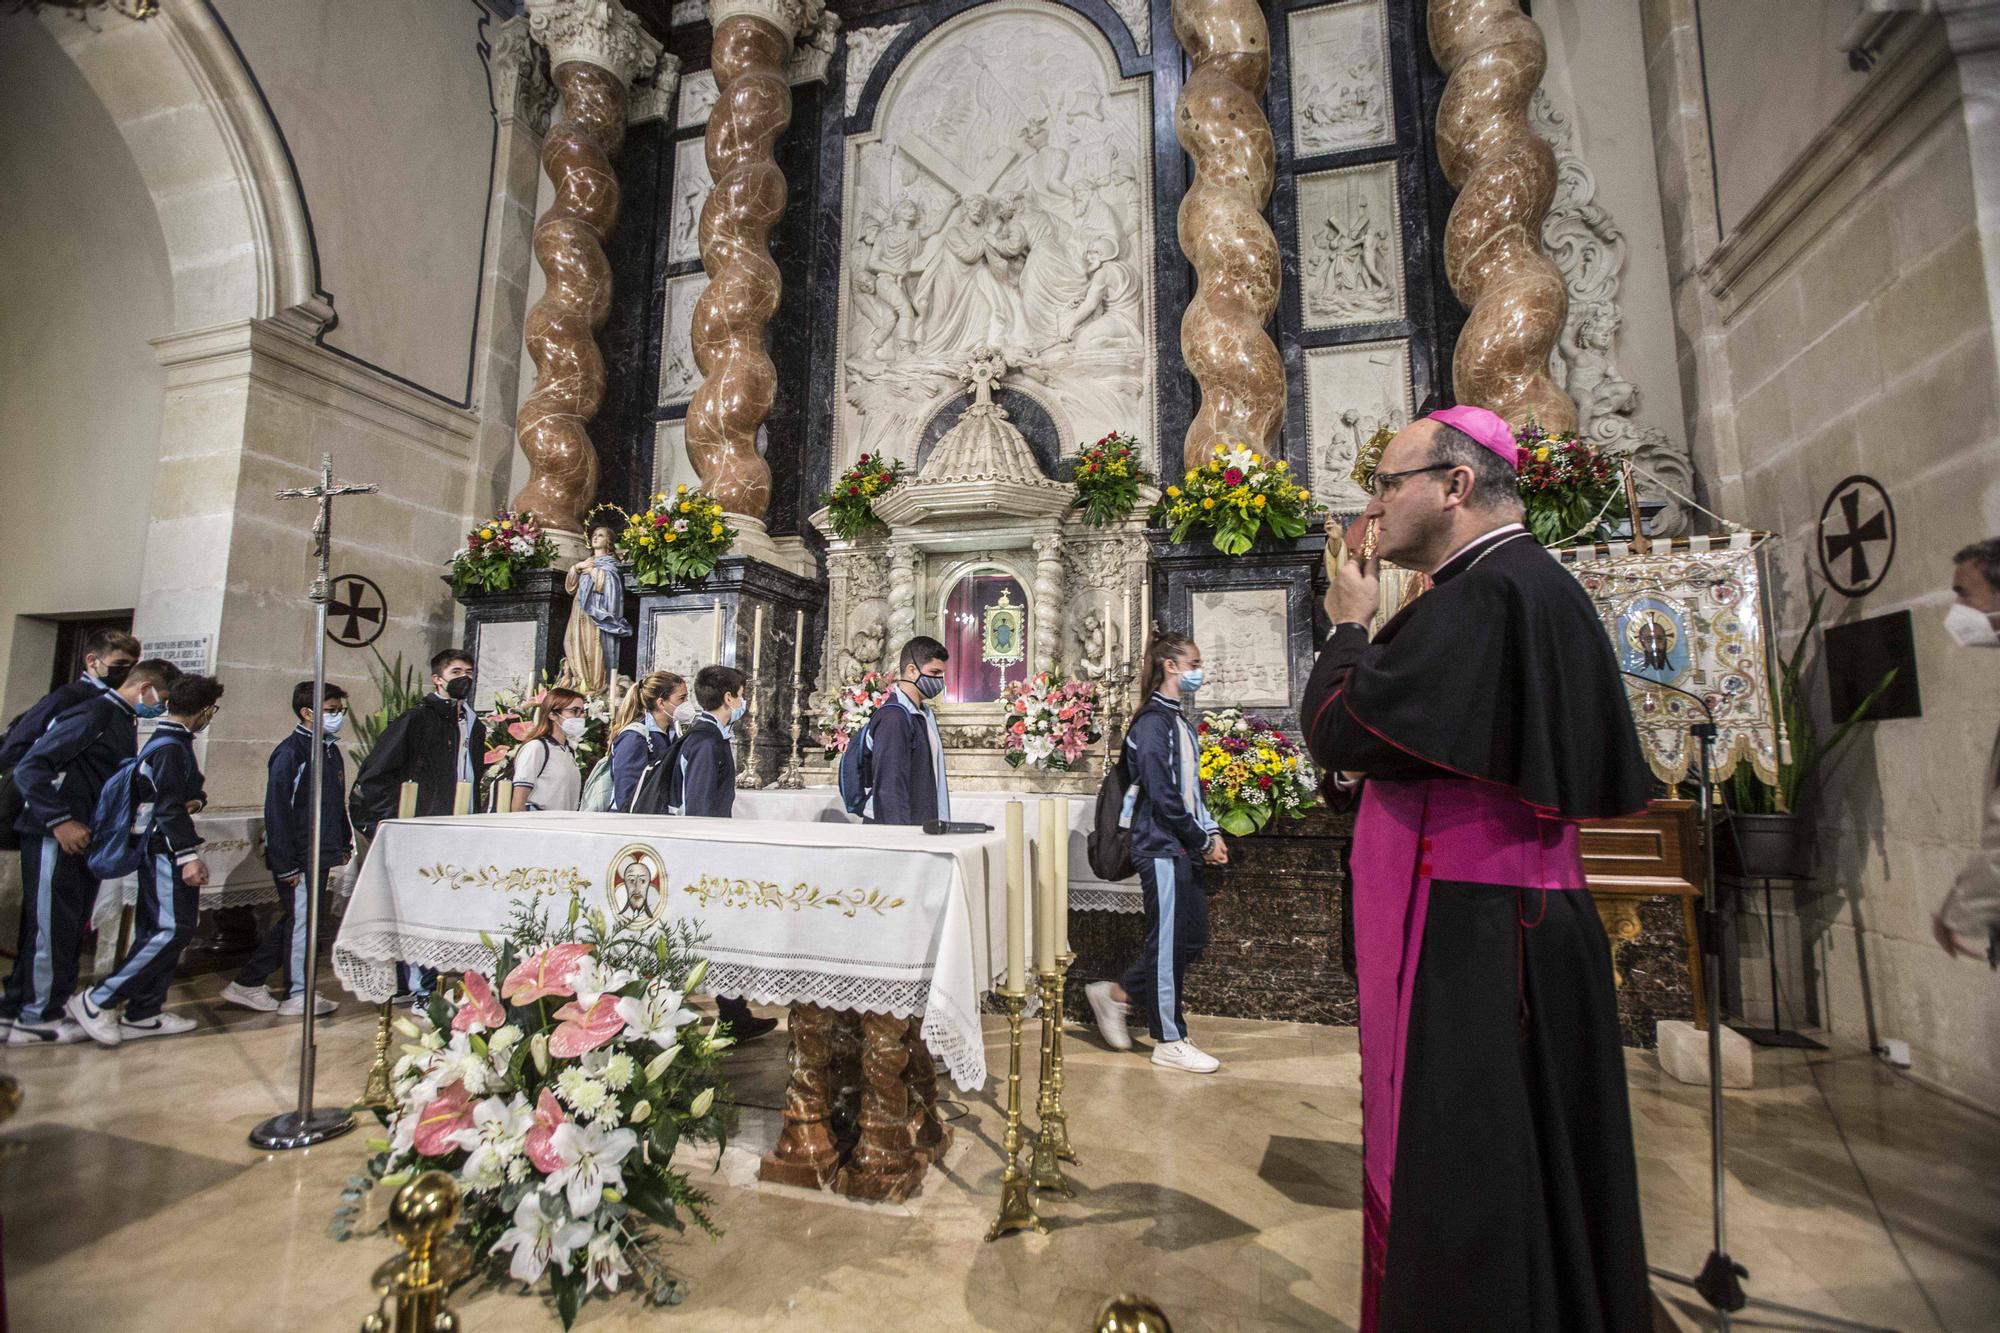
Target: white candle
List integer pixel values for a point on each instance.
(1145, 610)
(715, 616)
(503, 797)
(1125, 627)
(1045, 886)
(1017, 889)
(798, 645)
(1061, 804)
(757, 643)
(406, 801)
(461, 799)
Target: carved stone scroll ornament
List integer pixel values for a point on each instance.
(595, 50)
(1505, 177)
(1222, 127)
(753, 40)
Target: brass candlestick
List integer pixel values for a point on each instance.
(1057, 1128)
(1052, 1135)
(375, 1093)
(1017, 1202)
(792, 777)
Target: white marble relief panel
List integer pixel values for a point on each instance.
(1003, 196)
(683, 641)
(1245, 646)
(1341, 97)
(1350, 247)
(1138, 16)
(670, 461)
(697, 99)
(691, 186)
(1352, 392)
(506, 659)
(679, 376)
(864, 51)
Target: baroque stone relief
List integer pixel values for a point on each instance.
(1341, 98)
(697, 99)
(1352, 392)
(691, 186)
(679, 376)
(1245, 643)
(1350, 247)
(1581, 237)
(1138, 16)
(670, 461)
(1003, 197)
(864, 49)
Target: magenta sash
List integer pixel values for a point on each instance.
(1408, 834)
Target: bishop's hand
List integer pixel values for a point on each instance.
(1356, 591)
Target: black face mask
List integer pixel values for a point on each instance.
(459, 688)
(115, 676)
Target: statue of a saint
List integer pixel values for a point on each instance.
(1094, 662)
(597, 621)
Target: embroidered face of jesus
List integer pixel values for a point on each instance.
(638, 882)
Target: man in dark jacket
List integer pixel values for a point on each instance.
(171, 877)
(905, 753)
(437, 745)
(60, 778)
(288, 850)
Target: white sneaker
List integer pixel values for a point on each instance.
(1110, 1015)
(59, 1033)
(250, 997)
(295, 1005)
(1185, 1055)
(159, 1025)
(100, 1024)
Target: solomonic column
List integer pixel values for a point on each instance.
(1222, 127)
(753, 41)
(1505, 176)
(596, 48)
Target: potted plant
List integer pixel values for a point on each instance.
(1572, 489)
(1251, 772)
(1236, 497)
(497, 551)
(1768, 833)
(1107, 477)
(676, 539)
(850, 504)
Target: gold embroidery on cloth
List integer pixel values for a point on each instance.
(743, 894)
(556, 881)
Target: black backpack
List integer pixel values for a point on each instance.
(654, 794)
(1109, 846)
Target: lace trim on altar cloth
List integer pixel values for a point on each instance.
(366, 966)
(1105, 899)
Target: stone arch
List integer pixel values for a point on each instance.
(238, 236)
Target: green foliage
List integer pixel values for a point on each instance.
(399, 688)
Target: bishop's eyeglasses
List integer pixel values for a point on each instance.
(1382, 483)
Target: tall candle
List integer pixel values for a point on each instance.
(503, 797)
(1061, 804)
(798, 644)
(1017, 889)
(461, 799)
(757, 643)
(1045, 886)
(1145, 610)
(1125, 627)
(406, 801)
(715, 619)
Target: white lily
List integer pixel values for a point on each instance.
(502, 1043)
(538, 1240)
(658, 1064)
(498, 1131)
(593, 1153)
(459, 1063)
(604, 1262)
(655, 1016)
(594, 978)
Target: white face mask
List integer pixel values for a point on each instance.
(1971, 627)
(685, 715)
(573, 728)
(331, 723)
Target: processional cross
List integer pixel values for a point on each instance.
(310, 1124)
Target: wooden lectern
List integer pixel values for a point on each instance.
(1653, 854)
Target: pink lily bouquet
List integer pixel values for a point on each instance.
(1051, 722)
(557, 1101)
(848, 711)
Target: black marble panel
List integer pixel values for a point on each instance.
(538, 597)
(623, 428)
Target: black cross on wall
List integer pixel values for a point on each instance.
(1855, 551)
(356, 601)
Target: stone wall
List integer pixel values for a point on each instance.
(1846, 326)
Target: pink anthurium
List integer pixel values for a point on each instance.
(548, 1117)
(480, 1009)
(579, 1030)
(438, 1122)
(549, 972)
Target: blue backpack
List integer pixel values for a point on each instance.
(117, 848)
(856, 774)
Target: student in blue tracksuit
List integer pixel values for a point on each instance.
(704, 786)
(60, 778)
(1171, 830)
(905, 753)
(108, 655)
(643, 731)
(288, 850)
(171, 877)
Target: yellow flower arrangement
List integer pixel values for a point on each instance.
(674, 541)
(1236, 496)
(1107, 477)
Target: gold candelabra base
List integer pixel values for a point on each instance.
(1057, 1126)
(1017, 1202)
(1052, 1132)
(412, 1285)
(375, 1092)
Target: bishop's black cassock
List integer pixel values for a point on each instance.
(1489, 719)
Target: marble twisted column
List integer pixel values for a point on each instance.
(753, 39)
(1222, 127)
(1506, 176)
(595, 50)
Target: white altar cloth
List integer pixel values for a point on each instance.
(842, 915)
(1087, 893)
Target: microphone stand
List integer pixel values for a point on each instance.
(1720, 1281)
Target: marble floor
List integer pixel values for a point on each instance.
(131, 1199)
